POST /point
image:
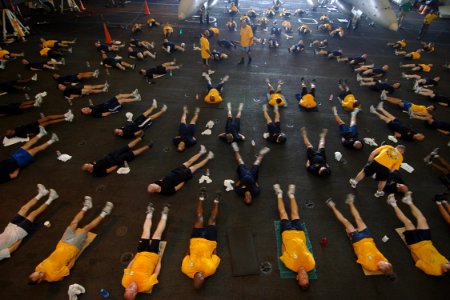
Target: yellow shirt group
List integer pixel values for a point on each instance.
(402, 43)
(246, 36)
(55, 266)
(167, 29)
(142, 272)
(204, 47)
(44, 51)
(296, 253)
(368, 254)
(389, 157)
(214, 93)
(274, 97)
(427, 258)
(215, 30)
(308, 101)
(419, 108)
(201, 258)
(49, 44)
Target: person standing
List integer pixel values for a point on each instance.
(427, 20)
(405, 8)
(246, 42)
(205, 53)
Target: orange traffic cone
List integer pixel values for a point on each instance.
(108, 39)
(82, 8)
(146, 10)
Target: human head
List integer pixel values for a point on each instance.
(324, 172)
(358, 145)
(223, 56)
(385, 68)
(181, 146)
(385, 267)
(446, 267)
(86, 110)
(402, 188)
(153, 188)
(279, 101)
(418, 137)
(229, 138)
(401, 148)
(364, 55)
(199, 279)
(25, 62)
(131, 291)
(61, 87)
(142, 71)
(36, 277)
(9, 133)
(87, 167)
(56, 76)
(430, 108)
(118, 132)
(97, 44)
(396, 85)
(281, 139)
(302, 279)
(247, 197)
(212, 98)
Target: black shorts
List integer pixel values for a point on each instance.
(23, 223)
(291, 225)
(274, 128)
(11, 109)
(205, 61)
(146, 245)
(121, 155)
(316, 156)
(209, 232)
(182, 173)
(374, 167)
(397, 126)
(416, 235)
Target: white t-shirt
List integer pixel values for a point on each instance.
(10, 235)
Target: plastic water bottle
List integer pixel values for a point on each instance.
(181, 31)
(253, 143)
(196, 97)
(170, 74)
(90, 102)
(331, 97)
(88, 64)
(104, 293)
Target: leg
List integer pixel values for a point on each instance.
(395, 101)
(134, 142)
(35, 213)
(305, 138)
(444, 210)
(381, 185)
(192, 160)
(267, 117)
(421, 220)
(439, 167)
(37, 149)
(294, 207)
(197, 166)
(195, 117)
(184, 116)
(30, 143)
(78, 217)
(148, 112)
(386, 114)
(444, 162)
(323, 134)
(214, 213)
(23, 211)
(147, 227)
(156, 115)
(141, 150)
(348, 226)
(85, 75)
(401, 216)
(359, 221)
(51, 121)
(199, 214)
(238, 158)
(281, 208)
(160, 228)
(276, 116)
(94, 223)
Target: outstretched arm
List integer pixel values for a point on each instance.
(179, 186)
(112, 169)
(14, 174)
(158, 268)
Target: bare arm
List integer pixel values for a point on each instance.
(14, 246)
(179, 186)
(14, 174)
(105, 114)
(112, 169)
(158, 268)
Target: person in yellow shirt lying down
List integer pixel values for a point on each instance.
(295, 253)
(275, 97)
(418, 238)
(418, 67)
(142, 272)
(167, 30)
(409, 107)
(201, 260)
(58, 264)
(214, 92)
(367, 253)
(346, 97)
(414, 55)
(307, 100)
(56, 43)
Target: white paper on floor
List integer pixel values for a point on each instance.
(210, 124)
(370, 141)
(8, 142)
(228, 183)
(64, 157)
(408, 168)
(204, 178)
(207, 132)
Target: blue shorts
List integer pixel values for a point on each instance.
(245, 49)
(344, 130)
(274, 128)
(356, 236)
(417, 235)
(290, 225)
(209, 232)
(406, 105)
(23, 158)
(253, 172)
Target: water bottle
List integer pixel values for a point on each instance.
(27, 96)
(253, 143)
(170, 74)
(323, 242)
(196, 97)
(70, 101)
(331, 97)
(104, 293)
(19, 75)
(88, 64)
(42, 115)
(181, 31)
(90, 102)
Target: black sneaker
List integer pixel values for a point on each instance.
(203, 195)
(218, 196)
(241, 62)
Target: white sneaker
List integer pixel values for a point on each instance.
(358, 77)
(96, 73)
(42, 131)
(54, 138)
(108, 208)
(150, 209)
(403, 75)
(210, 155)
(379, 194)
(235, 147)
(334, 110)
(277, 189)
(53, 195)
(87, 203)
(225, 78)
(138, 98)
(165, 210)
(69, 118)
(391, 200)
(380, 106)
(353, 183)
(291, 190)
(155, 103)
(135, 92)
(210, 72)
(372, 109)
(35, 77)
(41, 95)
(330, 203)
(229, 105)
(383, 95)
(37, 102)
(202, 149)
(350, 199)
(164, 108)
(264, 151)
(355, 111)
(42, 191)
(407, 199)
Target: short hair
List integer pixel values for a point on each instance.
(229, 138)
(281, 139)
(324, 172)
(401, 147)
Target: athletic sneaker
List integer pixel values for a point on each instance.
(42, 191)
(218, 197)
(264, 151)
(391, 200)
(210, 72)
(380, 106)
(87, 202)
(225, 79)
(324, 132)
(210, 155)
(407, 199)
(37, 102)
(203, 195)
(358, 77)
(355, 112)
(165, 210)
(155, 103)
(353, 183)
(291, 190)
(164, 108)
(330, 202)
(372, 109)
(350, 199)
(379, 194)
(439, 198)
(197, 110)
(277, 189)
(41, 95)
(135, 92)
(108, 208)
(334, 110)
(96, 73)
(54, 137)
(150, 209)
(403, 75)
(138, 98)
(35, 77)
(53, 195)
(42, 131)
(235, 146)
(202, 149)
(383, 95)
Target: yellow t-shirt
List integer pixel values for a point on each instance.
(429, 18)
(389, 157)
(49, 44)
(296, 252)
(425, 68)
(215, 30)
(201, 258)
(348, 102)
(234, 8)
(324, 18)
(246, 36)
(204, 47)
(151, 20)
(55, 266)
(326, 27)
(215, 93)
(44, 51)
(402, 43)
(368, 254)
(304, 27)
(168, 28)
(427, 258)
(308, 101)
(286, 24)
(415, 55)
(274, 97)
(3, 53)
(142, 272)
(419, 108)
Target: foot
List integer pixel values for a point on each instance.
(164, 108)
(54, 138)
(165, 210)
(87, 203)
(225, 78)
(372, 109)
(235, 147)
(35, 77)
(210, 72)
(42, 191)
(138, 98)
(439, 198)
(379, 194)
(96, 73)
(264, 151)
(68, 116)
(42, 132)
(53, 195)
(108, 208)
(135, 92)
(403, 75)
(358, 77)
(203, 194)
(380, 106)
(278, 191)
(303, 131)
(391, 200)
(210, 155)
(218, 197)
(353, 183)
(355, 112)
(407, 199)
(323, 134)
(383, 95)
(264, 107)
(334, 110)
(154, 103)
(202, 149)
(197, 110)
(330, 202)
(150, 209)
(41, 95)
(350, 199)
(291, 190)
(185, 109)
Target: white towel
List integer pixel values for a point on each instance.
(8, 142)
(228, 183)
(206, 132)
(392, 138)
(64, 157)
(408, 168)
(75, 290)
(204, 178)
(210, 124)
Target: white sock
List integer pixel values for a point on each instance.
(85, 208)
(149, 216)
(50, 141)
(163, 216)
(103, 214)
(49, 201)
